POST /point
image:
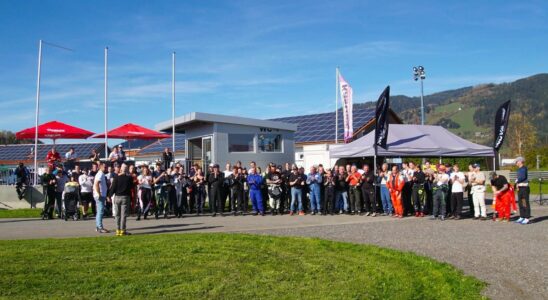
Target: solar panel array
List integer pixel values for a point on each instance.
(137, 144)
(26, 151)
(158, 146)
(321, 127)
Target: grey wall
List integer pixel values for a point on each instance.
(220, 145)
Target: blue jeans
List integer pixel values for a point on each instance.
(100, 211)
(342, 201)
(385, 198)
(315, 205)
(296, 194)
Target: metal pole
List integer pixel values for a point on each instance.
(36, 117)
(106, 103)
(422, 102)
(336, 105)
(173, 104)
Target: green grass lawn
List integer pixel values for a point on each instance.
(222, 266)
(20, 213)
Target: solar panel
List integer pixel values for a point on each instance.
(25, 151)
(321, 127)
(158, 146)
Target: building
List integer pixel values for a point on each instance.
(213, 138)
(316, 132)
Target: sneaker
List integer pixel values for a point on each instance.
(442, 218)
(483, 218)
(476, 218)
(123, 232)
(301, 213)
(525, 222)
(291, 213)
(520, 220)
(367, 214)
(118, 232)
(433, 218)
(505, 220)
(374, 214)
(422, 215)
(102, 230)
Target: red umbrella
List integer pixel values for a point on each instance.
(131, 131)
(54, 130)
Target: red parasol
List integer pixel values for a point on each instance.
(54, 130)
(131, 131)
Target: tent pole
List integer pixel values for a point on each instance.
(375, 176)
(336, 105)
(106, 103)
(36, 117)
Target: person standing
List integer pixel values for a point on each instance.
(522, 183)
(296, 183)
(61, 179)
(216, 181)
(314, 181)
(145, 192)
(114, 155)
(167, 158)
(86, 192)
(407, 175)
(22, 180)
(121, 188)
(477, 181)
(100, 196)
(53, 158)
(469, 175)
(368, 191)
(330, 185)
(341, 191)
(48, 183)
(94, 157)
(236, 186)
(395, 185)
(440, 188)
(457, 192)
(70, 159)
(354, 181)
(255, 180)
(418, 193)
(383, 178)
(122, 155)
(274, 181)
(199, 192)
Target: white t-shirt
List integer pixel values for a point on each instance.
(442, 179)
(86, 183)
(102, 180)
(145, 181)
(457, 185)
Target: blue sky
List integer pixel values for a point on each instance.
(252, 58)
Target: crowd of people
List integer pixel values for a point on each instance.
(167, 189)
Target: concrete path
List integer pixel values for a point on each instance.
(512, 258)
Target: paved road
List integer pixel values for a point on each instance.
(512, 258)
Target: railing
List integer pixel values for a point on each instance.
(531, 175)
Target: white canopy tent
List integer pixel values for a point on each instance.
(413, 140)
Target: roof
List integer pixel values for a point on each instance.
(321, 127)
(22, 152)
(413, 140)
(194, 117)
(159, 146)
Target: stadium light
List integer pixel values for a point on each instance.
(419, 73)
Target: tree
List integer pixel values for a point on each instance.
(521, 135)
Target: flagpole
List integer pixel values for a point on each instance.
(37, 113)
(173, 103)
(336, 105)
(106, 103)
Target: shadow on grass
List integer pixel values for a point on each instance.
(177, 230)
(165, 226)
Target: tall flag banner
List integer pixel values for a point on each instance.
(501, 124)
(381, 118)
(346, 97)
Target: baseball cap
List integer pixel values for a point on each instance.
(520, 158)
(476, 165)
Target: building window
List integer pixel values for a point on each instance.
(270, 142)
(241, 143)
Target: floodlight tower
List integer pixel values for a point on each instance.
(419, 73)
